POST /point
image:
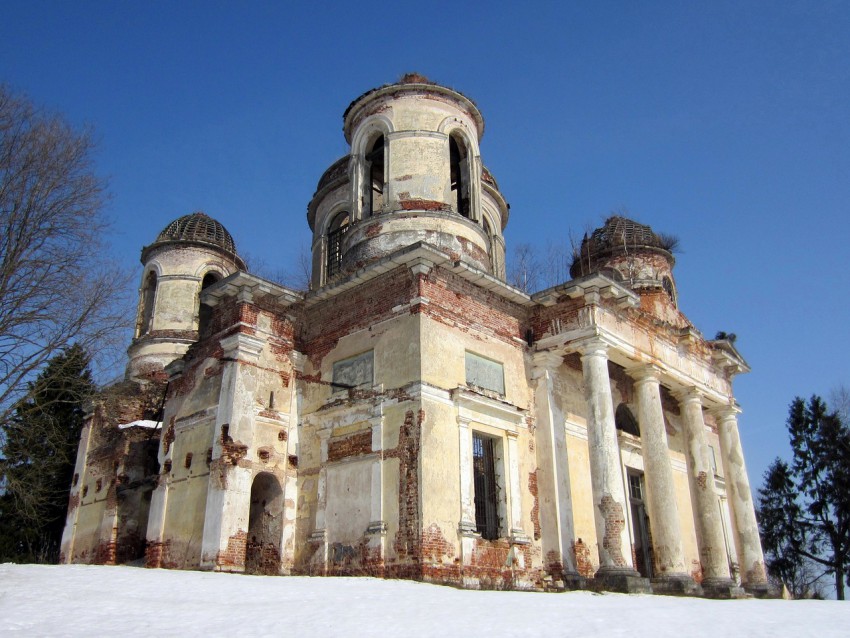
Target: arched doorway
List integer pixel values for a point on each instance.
(265, 526)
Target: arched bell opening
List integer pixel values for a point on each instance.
(205, 311)
(148, 299)
(265, 526)
(375, 159)
(336, 231)
(459, 172)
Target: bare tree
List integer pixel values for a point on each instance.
(295, 276)
(57, 287)
(525, 269)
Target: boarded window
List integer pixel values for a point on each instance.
(355, 371)
(485, 373)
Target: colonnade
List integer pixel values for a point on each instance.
(610, 503)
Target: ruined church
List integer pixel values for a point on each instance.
(413, 415)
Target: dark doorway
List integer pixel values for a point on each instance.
(640, 523)
(265, 526)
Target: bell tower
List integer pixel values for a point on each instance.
(414, 174)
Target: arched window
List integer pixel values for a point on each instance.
(625, 420)
(205, 311)
(148, 298)
(459, 173)
(336, 231)
(375, 170)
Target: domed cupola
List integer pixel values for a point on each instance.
(199, 229)
(628, 252)
(190, 254)
(414, 174)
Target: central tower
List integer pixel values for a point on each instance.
(414, 174)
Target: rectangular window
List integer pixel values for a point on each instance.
(355, 371)
(485, 373)
(486, 488)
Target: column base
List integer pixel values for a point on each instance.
(574, 581)
(624, 581)
(676, 585)
(760, 590)
(722, 588)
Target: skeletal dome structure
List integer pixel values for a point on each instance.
(190, 254)
(628, 252)
(414, 174)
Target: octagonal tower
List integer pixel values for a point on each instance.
(190, 254)
(414, 174)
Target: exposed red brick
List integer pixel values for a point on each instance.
(233, 557)
(581, 553)
(356, 444)
(535, 509)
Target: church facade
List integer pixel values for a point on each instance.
(412, 415)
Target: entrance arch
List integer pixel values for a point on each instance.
(265, 526)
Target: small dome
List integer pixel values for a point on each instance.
(198, 228)
(619, 235)
(619, 231)
(337, 171)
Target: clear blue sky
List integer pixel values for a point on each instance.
(725, 123)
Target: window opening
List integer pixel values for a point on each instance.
(205, 311)
(641, 532)
(148, 298)
(459, 178)
(338, 229)
(375, 159)
(667, 284)
(486, 491)
(625, 420)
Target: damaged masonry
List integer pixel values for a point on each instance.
(414, 416)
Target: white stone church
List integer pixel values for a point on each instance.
(412, 415)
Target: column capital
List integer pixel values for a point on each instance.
(463, 421)
(241, 346)
(592, 346)
(645, 372)
(726, 412)
(545, 361)
(687, 395)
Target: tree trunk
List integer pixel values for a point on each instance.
(839, 583)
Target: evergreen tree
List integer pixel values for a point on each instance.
(37, 456)
(804, 506)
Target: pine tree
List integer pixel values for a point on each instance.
(39, 448)
(804, 506)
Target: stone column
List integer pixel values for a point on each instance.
(750, 556)
(609, 498)
(716, 581)
(555, 507)
(669, 562)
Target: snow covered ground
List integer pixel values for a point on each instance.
(90, 601)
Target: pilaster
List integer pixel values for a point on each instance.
(555, 503)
